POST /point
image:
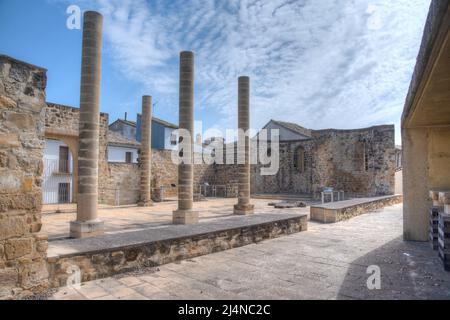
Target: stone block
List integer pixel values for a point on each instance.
(27, 184)
(23, 121)
(42, 246)
(8, 280)
(86, 229)
(10, 181)
(7, 103)
(33, 274)
(185, 217)
(9, 140)
(18, 248)
(12, 226)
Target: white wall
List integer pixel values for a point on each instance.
(52, 179)
(117, 154)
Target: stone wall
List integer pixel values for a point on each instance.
(121, 184)
(361, 162)
(339, 161)
(164, 172)
(289, 179)
(22, 110)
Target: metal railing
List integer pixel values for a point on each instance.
(57, 181)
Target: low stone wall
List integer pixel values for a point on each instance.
(106, 262)
(344, 210)
(22, 249)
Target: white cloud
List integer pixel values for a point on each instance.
(320, 63)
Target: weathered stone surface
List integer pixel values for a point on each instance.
(22, 101)
(9, 140)
(12, 226)
(8, 280)
(18, 248)
(9, 181)
(33, 274)
(21, 120)
(7, 103)
(335, 158)
(42, 246)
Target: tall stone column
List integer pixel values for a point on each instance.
(87, 223)
(184, 214)
(145, 157)
(243, 206)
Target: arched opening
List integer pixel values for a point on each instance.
(299, 159)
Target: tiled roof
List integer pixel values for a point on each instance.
(160, 121)
(117, 139)
(294, 127)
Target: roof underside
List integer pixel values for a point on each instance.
(428, 100)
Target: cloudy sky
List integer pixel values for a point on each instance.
(319, 63)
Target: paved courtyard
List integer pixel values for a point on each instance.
(131, 218)
(326, 262)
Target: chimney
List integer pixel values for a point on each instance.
(125, 116)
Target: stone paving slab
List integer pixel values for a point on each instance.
(329, 261)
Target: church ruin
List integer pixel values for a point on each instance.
(356, 163)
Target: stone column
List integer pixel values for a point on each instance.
(243, 206)
(145, 157)
(87, 223)
(184, 214)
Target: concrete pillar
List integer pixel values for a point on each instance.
(243, 206)
(416, 203)
(184, 214)
(87, 223)
(145, 157)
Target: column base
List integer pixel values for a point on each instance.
(86, 229)
(243, 210)
(145, 203)
(185, 217)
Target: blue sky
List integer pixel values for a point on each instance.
(319, 63)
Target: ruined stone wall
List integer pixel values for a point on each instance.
(121, 184)
(23, 249)
(361, 162)
(339, 161)
(164, 172)
(289, 178)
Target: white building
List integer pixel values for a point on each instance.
(58, 168)
(122, 149)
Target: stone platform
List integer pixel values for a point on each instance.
(110, 254)
(332, 212)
